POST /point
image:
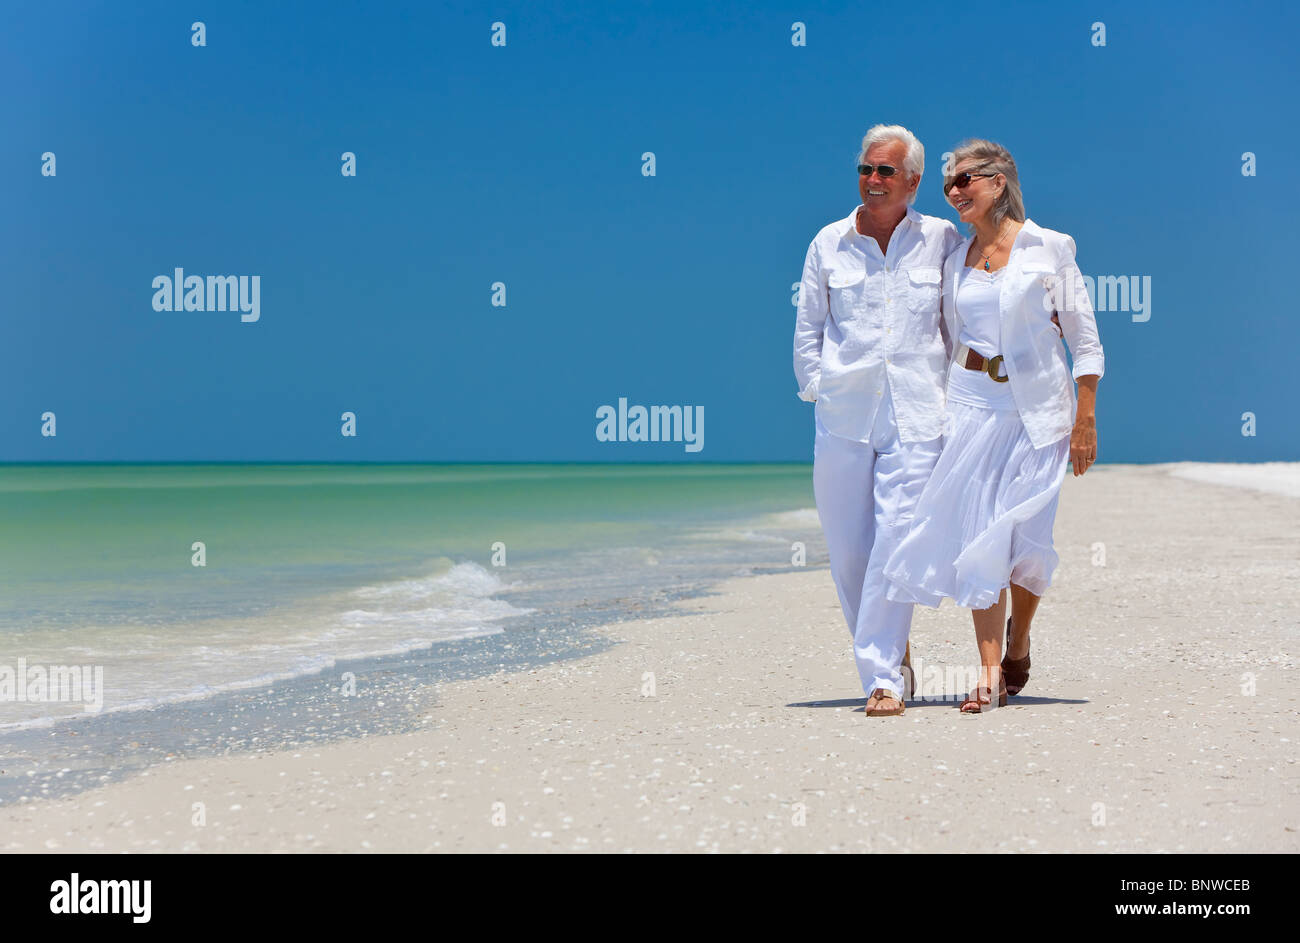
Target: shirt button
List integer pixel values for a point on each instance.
(888, 300)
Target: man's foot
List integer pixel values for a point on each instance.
(884, 703)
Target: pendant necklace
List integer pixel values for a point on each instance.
(995, 248)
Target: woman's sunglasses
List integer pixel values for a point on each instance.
(883, 169)
(962, 181)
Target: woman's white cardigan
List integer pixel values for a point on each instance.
(1041, 279)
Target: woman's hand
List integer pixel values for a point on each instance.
(1083, 444)
(1083, 437)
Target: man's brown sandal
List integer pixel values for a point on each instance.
(1014, 671)
(880, 695)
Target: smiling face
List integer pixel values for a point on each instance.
(887, 196)
(975, 200)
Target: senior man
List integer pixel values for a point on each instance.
(871, 350)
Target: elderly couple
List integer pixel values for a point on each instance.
(946, 412)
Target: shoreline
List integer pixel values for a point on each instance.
(391, 693)
(1135, 734)
(311, 569)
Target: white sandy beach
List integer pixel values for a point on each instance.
(1274, 477)
(1161, 716)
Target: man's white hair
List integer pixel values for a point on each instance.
(913, 160)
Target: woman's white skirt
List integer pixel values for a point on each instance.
(985, 517)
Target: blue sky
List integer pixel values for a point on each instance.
(522, 164)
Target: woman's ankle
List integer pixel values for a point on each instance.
(1018, 645)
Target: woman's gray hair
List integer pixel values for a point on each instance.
(991, 159)
(913, 160)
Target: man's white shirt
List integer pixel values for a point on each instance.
(870, 323)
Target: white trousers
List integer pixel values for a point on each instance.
(866, 493)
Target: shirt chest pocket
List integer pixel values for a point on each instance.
(921, 288)
(846, 286)
(1035, 285)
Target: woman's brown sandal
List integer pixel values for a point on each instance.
(982, 696)
(1014, 670)
(880, 695)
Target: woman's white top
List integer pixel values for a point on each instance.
(1040, 278)
(978, 298)
(978, 301)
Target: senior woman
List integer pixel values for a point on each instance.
(983, 524)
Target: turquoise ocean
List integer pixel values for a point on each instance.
(313, 568)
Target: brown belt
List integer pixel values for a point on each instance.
(991, 366)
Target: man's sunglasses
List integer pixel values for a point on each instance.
(883, 169)
(962, 181)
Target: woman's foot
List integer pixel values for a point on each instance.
(1015, 670)
(981, 698)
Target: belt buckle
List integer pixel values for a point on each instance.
(991, 368)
